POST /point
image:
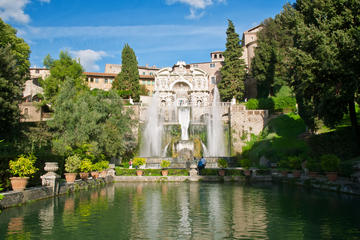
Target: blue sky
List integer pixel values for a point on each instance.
(161, 32)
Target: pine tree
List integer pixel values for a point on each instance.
(233, 70)
(127, 81)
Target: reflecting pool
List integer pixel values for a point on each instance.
(187, 211)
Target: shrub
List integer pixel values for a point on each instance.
(313, 165)
(165, 164)
(330, 162)
(284, 102)
(23, 166)
(139, 162)
(252, 104)
(72, 164)
(283, 164)
(266, 103)
(85, 165)
(209, 172)
(222, 163)
(295, 162)
(103, 165)
(245, 163)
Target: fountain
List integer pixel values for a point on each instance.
(180, 105)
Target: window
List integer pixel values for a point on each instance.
(220, 55)
(26, 111)
(110, 80)
(151, 73)
(212, 65)
(215, 55)
(96, 80)
(106, 80)
(213, 80)
(144, 73)
(37, 71)
(91, 80)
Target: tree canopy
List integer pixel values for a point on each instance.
(128, 79)
(61, 69)
(97, 118)
(14, 71)
(233, 69)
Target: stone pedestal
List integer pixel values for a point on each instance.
(193, 172)
(111, 172)
(49, 179)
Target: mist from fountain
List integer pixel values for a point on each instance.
(184, 120)
(215, 128)
(152, 136)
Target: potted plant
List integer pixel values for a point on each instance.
(283, 167)
(72, 166)
(102, 168)
(22, 168)
(295, 165)
(137, 163)
(95, 168)
(246, 164)
(165, 164)
(222, 163)
(313, 166)
(85, 168)
(330, 164)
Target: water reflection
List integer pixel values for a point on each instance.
(186, 211)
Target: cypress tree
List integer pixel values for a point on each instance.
(127, 81)
(233, 70)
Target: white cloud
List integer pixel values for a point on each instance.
(13, 10)
(88, 58)
(196, 6)
(102, 32)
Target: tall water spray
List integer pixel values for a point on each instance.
(184, 120)
(152, 136)
(215, 129)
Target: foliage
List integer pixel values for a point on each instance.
(72, 164)
(245, 163)
(233, 69)
(283, 164)
(60, 70)
(85, 165)
(137, 162)
(102, 165)
(82, 119)
(222, 163)
(128, 78)
(1, 196)
(252, 104)
(330, 162)
(14, 66)
(268, 66)
(313, 165)
(150, 172)
(284, 102)
(165, 163)
(23, 166)
(295, 162)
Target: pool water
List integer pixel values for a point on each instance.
(187, 211)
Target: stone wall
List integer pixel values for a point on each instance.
(244, 123)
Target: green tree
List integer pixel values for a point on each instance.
(233, 69)
(324, 60)
(128, 79)
(61, 69)
(269, 66)
(14, 71)
(87, 117)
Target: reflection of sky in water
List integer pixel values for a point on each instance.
(186, 211)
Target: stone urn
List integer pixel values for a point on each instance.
(50, 177)
(221, 172)
(18, 184)
(296, 173)
(139, 172)
(247, 172)
(193, 172)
